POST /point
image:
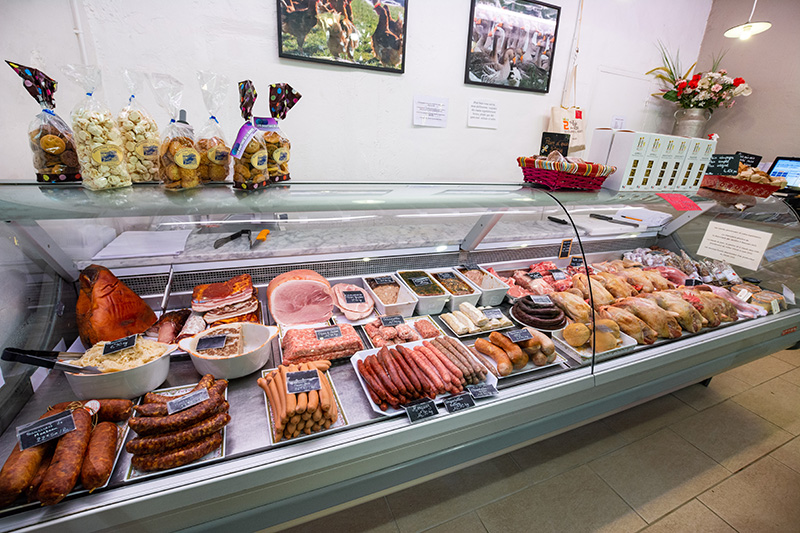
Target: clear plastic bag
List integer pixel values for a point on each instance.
(278, 148)
(178, 158)
(215, 160)
(249, 150)
(97, 138)
(139, 131)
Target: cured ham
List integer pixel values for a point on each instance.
(300, 297)
(353, 301)
(108, 309)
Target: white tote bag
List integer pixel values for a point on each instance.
(570, 119)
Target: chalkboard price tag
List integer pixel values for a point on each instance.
(45, 429)
(554, 142)
(211, 342)
(542, 300)
(723, 165)
(392, 320)
(470, 266)
(187, 401)
(576, 261)
(384, 280)
(534, 275)
(445, 275)
(421, 410)
(566, 248)
(751, 160)
(354, 297)
(558, 275)
(421, 281)
(482, 390)
(303, 381)
(458, 402)
(519, 335)
(328, 333)
(493, 313)
(120, 344)
(691, 282)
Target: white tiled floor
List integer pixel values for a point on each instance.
(718, 459)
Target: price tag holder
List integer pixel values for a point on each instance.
(303, 381)
(120, 344)
(566, 248)
(187, 401)
(493, 313)
(558, 274)
(421, 281)
(392, 320)
(519, 335)
(328, 333)
(744, 295)
(421, 410)
(45, 429)
(576, 261)
(482, 390)
(534, 275)
(384, 280)
(354, 297)
(458, 402)
(776, 307)
(210, 342)
(445, 275)
(542, 300)
(471, 266)
(789, 295)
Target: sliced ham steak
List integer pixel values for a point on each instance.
(300, 297)
(353, 301)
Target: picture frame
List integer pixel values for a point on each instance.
(511, 44)
(366, 34)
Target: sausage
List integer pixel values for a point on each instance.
(428, 370)
(409, 373)
(99, 459)
(375, 367)
(424, 382)
(111, 410)
(455, 358)
(169, 441)
(499, 355)
(65, 467)
(454, 369)
(33, 488)
(205, 382)
(391, 370)
(448, 379)
(518, 358)
(376, 385)
(144, 425)
(539, 322)
(547, 346)
(179, 456)
(458, 347)
(160, 409)
(485, 360)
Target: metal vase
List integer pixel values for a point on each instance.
(691, 122)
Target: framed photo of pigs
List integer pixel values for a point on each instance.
(511, 44)
(369, 34)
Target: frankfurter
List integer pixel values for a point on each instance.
(499, 355)
(178, 456)
(65, 468)
(99, 459)
(518, 358)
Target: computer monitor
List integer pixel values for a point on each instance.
(789, 168)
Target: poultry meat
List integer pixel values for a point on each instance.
(664, 324)
(387, 41)
(712, 318)
(744, 309)
(618, 287)
(688, 317)
(630, 324)
(721, 307)
(660, 283)
(600, 296)
(573, 306)
(636, 277)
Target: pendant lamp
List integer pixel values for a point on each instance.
(748, 29)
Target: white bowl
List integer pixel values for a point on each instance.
(256, 352)
(129, 384)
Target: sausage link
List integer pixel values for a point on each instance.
(391, 358)
(65, 468)
(99, 459)
(111, 410)
(499, 355)
(401, 363)
(485, 361)
(476, 363)
(376, 368)
(169, 441)
(425, 383)
(179, 456)
(518, 358)
(391, 371)
(33, 488)
(145, 426)
(448, 364)
(204, 383)
(428, 369)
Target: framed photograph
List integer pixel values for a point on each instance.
(511, 44)
(368, 34)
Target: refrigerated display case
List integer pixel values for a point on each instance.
(161, 244)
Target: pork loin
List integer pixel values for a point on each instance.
(300, 297)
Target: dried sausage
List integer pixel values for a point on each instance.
(65, 467)
(179, 456)
(99, 459)
(111, 410)
(169, 441)
(144, 425)
(204, 383)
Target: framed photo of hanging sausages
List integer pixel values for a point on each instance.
(511, 44)
(369, 34)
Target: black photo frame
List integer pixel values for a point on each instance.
(511, 44)
(366, 34)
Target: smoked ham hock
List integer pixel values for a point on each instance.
(107, 309)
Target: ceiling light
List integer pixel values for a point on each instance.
(748, 29)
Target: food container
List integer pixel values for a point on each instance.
(492, 289)
(428, 304)
(737, 186)
(584, 355)
(457, 299)
(124, 383)
(256, 352)
(406, 300)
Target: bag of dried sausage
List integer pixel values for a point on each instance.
(139, 132)
(249, 150)
(178, 158)
(97, 137)
(282, 97)
(215, 161)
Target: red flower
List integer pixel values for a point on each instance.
(696, 78)
(693, 84)
(681, 85)
(737, 81)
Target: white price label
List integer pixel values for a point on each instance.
(744, 295)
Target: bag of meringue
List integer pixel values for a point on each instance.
(97, 138)
(51, 139)
(139, 132)
(215, 160)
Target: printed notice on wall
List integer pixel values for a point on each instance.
(739, 246)
(430, 111)
(482, 114)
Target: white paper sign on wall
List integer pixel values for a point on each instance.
(430, 111)
(483, 114)
(738, 246)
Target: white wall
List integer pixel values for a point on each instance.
(351, 125)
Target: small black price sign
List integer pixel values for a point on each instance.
(534, 275)
(187, 401)
(554, 142)
(493, 313)
(576, 261)
(482, 390)
(751, 160)
(446, 275)
(383, 280)
(566, 248)
(211, 342)
(328, 333)
(470, 266)
(458, 402)
(690, 282)
(354, 297)
(45, 429)
(541, 300)
(558, 275)
(392, 320)
(303, 381)
(723, 165)
(421, 410)
(120, 344)
(421, 282)
(519, 335)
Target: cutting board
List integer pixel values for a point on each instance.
(594, 226)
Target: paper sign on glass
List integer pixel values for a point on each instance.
(738, 246)
(430, 111)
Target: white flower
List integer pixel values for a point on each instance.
(742, 90)
(716, 88)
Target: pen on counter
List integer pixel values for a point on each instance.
(631, 218)
(557, 220)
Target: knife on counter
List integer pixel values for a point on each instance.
(614, 220)
(261, 237)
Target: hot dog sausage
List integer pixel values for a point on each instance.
(179, 456)
(499, 355)
(169, 441)
(515, 354)
(65, 467)
(99, 459)
(144, 425)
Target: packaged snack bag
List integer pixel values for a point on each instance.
(282, 97)
(215, 160)
(249, 150)
(51, 140)
(97, 137)
(139, 132)
(178, 158)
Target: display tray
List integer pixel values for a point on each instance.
(523, 324)
(410, 321)
(477, 333)
(584, 355)
(528, 368)
(218, 454)
(341, 421)
(491, 379)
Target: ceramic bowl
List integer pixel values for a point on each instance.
(256, 352)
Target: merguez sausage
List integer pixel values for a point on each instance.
(177, 457)
(99, 459)
(65, 467)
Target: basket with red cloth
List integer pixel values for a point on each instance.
(564, 173)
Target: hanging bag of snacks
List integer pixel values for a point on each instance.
(178, 158)
(139, 132)
(215, 160)
(51, 139)
(282, 97)
(249, 150)
(97, 137)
